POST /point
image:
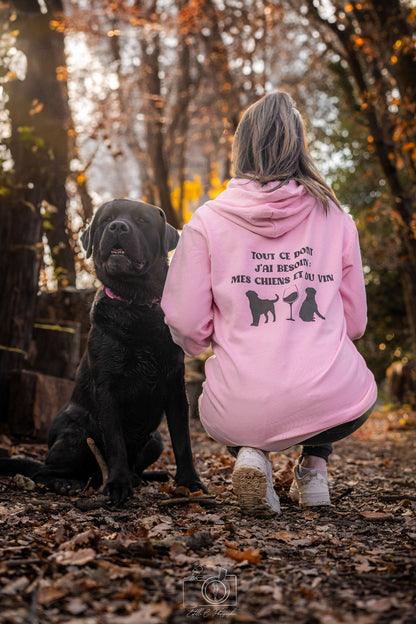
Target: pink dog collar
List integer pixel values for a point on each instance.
(110, 294)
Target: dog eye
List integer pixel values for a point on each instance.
(107, 219)
(141, 220)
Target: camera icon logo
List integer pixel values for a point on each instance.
(204, 588)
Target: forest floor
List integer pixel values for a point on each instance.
(156, 559)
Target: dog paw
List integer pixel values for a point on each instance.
(156, 475)
(65, 486)
(194, 484)
(119, 491)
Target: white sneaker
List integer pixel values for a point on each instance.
(310, 489)
(253, 482)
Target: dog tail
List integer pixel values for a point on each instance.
(26, 467)
(277, 298)
(156, 475)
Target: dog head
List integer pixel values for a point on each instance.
(127, 238)
(252, 295)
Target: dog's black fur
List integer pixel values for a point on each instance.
(131, 373)
(261, 306)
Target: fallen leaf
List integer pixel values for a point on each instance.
(74, 557)
(15, 587)
(362, 564)
(82, 539)
(283, 536)
(49, 594)
(159, 530)
(131, 591)
(147, 614)
(76, 606)
(380, 605)
(23, 483)
(376, 515)
(303, 541)
(180, 490)
(252, 555)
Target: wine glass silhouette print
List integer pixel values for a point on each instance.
(290, 296)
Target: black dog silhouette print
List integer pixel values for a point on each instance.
(261, 306)
(309, 307)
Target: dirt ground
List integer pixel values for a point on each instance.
(165, 557)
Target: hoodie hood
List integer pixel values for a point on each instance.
(264, 210)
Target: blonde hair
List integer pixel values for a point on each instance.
(270, 146)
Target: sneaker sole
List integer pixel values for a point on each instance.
(250, 487)
(313, 501)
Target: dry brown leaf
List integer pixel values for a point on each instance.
(50, 594)
(284, 477)
(82, 539)
(282, 536)
(181, 490)
(131, 591)
(196, 508)
(362, 564)
(160, 530)
(16, 586)
(252, 555)
(303, 541)
(380, 605)
(197, 493)
(165, 488)
(74, 557)
(376, 515)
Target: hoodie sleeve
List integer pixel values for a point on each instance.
(352, 287)
(187, 296)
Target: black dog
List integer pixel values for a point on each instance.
(309, 307)
(131, 373)
(261, 306)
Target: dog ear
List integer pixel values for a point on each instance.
(86, 240)
(170, 236)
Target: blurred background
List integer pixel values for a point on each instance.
(129, 98)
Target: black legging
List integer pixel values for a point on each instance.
(320, 445)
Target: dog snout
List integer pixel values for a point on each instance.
(119, 227)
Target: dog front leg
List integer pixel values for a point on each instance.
(119, 485)
(178, 424)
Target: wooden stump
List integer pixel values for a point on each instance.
(34, 401)
(56, 348)
(67, 304)
(20, 254)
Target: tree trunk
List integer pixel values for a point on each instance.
(154, 127)
(178, 130)
(20, 256)
(218, 60)
(39, 146)
(40, 119)
(154, 106)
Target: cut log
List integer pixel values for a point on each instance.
(67, 304)
(34, 401)
(56, 348)
(20, 256)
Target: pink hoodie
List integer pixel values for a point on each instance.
(276, 287)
